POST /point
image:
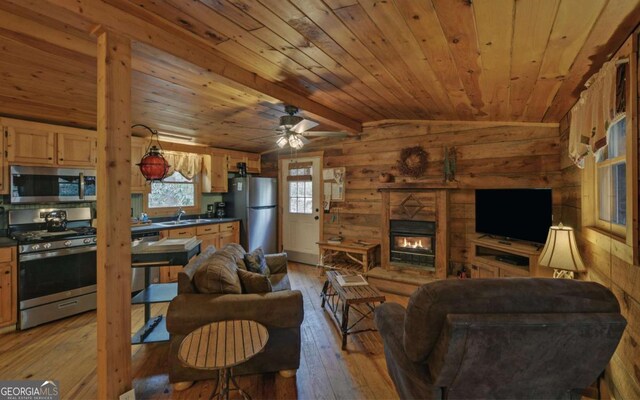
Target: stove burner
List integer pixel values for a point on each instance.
(85, 230)
(32, 236)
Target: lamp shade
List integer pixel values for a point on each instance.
(561, 251)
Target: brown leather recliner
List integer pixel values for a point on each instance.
(280, 311)
(500, 338)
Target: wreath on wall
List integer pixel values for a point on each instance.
(413, 161)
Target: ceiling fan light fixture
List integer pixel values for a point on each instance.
(295, 142)
(282, 141)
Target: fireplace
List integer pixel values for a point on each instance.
(413, 243)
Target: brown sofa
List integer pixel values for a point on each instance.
(280, 311)
(500, 338)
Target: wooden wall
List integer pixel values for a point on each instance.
(489, 154)
(603, 266)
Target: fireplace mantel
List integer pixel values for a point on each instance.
(423, 204)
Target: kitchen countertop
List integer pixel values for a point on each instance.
(154, 227)
(7, 242)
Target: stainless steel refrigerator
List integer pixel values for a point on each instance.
(254, 200)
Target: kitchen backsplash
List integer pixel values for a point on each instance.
(136, 204)
(207, 198)
(7, 206)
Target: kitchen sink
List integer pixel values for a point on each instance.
(186, 222)
(172, 223)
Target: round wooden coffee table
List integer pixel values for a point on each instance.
(223, 345)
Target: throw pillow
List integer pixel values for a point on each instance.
(236, 252)
(217, 276)
(256, 262)
(253, 282)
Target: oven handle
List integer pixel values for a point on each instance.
(81, 186)
(56, 253)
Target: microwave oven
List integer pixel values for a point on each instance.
(50, 184)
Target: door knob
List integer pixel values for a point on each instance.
(316, 218)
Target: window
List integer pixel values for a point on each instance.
(174, 191)
(611, 175)
(300, 197)
(611, 165)
(300, 188)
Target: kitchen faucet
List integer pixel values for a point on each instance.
(180, 213)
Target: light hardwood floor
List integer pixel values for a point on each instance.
(66, 351)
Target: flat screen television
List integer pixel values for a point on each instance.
(523, 214)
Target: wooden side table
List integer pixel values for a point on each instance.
(333, 294)
(223, 345)
(352, 249)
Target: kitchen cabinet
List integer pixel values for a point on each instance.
(229, 233)
(182, 232)
(4, 168)
(253, 163)
(30, 146)
(210, 236)
(233, 159)
(78, 149)
(138, 150)
(251, 159)
(32, 143)
(220, 162)
(214, 173)
(8, 287)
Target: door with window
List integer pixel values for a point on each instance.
(300, 182)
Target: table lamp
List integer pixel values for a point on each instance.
(560, 252)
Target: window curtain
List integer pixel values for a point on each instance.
(188, 164)
(592, 114)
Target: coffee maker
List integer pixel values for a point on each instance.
(220, 210)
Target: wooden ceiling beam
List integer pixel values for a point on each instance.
(164, 36)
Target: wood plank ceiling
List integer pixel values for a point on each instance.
(499, 60)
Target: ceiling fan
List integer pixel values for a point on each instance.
(294, 130)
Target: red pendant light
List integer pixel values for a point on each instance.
(153, 166)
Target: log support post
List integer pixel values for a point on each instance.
(113, 214)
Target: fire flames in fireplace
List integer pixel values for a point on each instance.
(413, 244)
(408, 242)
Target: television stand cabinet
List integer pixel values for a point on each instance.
(497, 258)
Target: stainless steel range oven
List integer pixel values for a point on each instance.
(57, 270)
